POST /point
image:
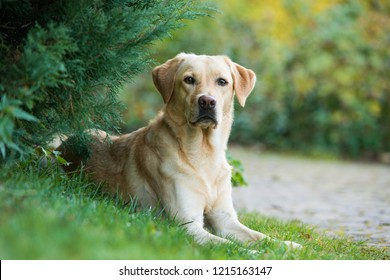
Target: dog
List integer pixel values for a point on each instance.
(178, 161)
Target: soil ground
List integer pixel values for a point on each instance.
(343, 197)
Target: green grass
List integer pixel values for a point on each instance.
(46, 215)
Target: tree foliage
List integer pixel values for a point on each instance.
(63, 62)
(328, 89)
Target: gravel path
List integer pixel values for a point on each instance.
(344, 197)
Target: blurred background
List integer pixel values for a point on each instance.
(323, 73)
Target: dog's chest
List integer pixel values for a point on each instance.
(208, 177)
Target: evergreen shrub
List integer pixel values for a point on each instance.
(63, 62)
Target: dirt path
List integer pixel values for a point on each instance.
(345, 197)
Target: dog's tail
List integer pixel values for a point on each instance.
(73, 151)
(57, 141)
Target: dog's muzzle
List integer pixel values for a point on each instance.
(207, 111)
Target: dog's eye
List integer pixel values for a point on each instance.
(222, 82)
(189, 80)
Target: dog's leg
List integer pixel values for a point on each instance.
(189, 209)
(194, 227)
(223, 219)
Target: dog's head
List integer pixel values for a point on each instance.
(199, 90)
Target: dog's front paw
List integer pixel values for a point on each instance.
(293, 245)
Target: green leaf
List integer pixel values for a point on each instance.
(237, 179)
(2, 149)
(61, 160)
(23, 115)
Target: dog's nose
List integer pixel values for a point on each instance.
(207, 102)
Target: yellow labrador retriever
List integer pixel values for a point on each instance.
(178, 161)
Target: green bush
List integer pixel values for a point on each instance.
(63, 62)
(328, 91)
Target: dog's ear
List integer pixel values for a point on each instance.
(243, 81)
(164, 76)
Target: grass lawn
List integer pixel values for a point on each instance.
(46, 215)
